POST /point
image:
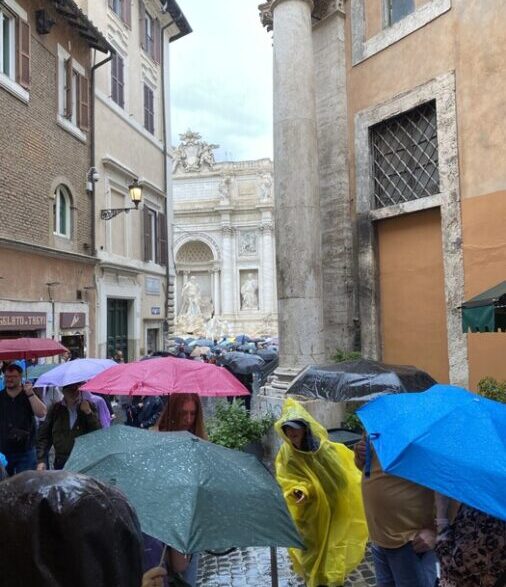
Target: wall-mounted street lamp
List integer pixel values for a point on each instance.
(135, 193)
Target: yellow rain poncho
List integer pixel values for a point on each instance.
(330, 518)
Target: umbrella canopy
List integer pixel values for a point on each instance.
(198, 351)
(448, 439)
(190, 494)
(201, 342)
(359, 380)
(164, 376)
(242, 363)
(30, 348)
(74, 372)
(267, 354)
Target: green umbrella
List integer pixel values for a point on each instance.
(190, 494)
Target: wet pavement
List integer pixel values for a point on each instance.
(250, 567)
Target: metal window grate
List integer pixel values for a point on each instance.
(405, 156)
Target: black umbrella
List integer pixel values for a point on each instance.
(242, 363)
(267, 354)
(359, 380)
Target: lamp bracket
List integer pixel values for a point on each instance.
(110, 213)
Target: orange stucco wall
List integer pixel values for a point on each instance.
(412, 302)
(469, 39)
(484, 237)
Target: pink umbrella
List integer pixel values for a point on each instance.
(30, 348)
(165, 376)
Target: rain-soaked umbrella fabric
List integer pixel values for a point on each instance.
(165, 376)
(30, 348)
(59, 529)
(446, 438)
(242, 363)
(190, 494)
(201, 342)
(359, 380)
(74, 372)
(267, 354)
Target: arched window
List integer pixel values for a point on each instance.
(61, 212)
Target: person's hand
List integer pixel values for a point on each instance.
(85, 407)
(424, 541)
(41, 467)
(359, 449)
(299, 495)
(154, 577)
(28, 388)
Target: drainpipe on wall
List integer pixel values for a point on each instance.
(168, 217)
(92, 179)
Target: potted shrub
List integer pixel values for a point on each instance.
(234, 427)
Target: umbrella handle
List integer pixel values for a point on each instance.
(368, 453)
(162, 558)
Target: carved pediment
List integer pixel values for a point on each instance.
(193, 154)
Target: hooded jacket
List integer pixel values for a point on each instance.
(330, 516)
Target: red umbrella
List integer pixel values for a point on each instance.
(164, 376)
(30, 348)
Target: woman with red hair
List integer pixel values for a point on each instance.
(183, 412)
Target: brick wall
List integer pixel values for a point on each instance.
(35, 151)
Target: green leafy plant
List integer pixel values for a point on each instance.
(492, 389)
(234, 427)
(339, 356)
(352, 422)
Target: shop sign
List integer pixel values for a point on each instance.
(155, 310)
(152, 285)
(22, 321)
(72, 320)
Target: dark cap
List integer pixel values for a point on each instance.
(16, 366)
(295, 424)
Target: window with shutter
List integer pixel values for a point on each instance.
(127, 12)
(117, 80)
(67, 84)
(162, 240)
(156, 41)
(23, 76)
(8, 42)
(142, 26)
(84, 104)
(149, 115)
(149, 34)
(148, 233)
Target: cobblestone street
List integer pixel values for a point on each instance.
(250, 567)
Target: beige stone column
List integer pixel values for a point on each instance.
(297, 208)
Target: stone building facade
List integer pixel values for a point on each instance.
(46, 235)
(132, 121)
(388, 148)
(224, 248)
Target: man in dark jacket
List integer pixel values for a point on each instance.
(145, 413)
(66, 420)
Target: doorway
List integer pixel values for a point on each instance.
(117, 327)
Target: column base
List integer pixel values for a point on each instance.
(271, 397)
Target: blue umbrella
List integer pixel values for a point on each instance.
(201, 342)
(446, 438)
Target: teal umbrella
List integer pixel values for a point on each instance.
(190, 494)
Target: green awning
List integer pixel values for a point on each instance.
(486, 312)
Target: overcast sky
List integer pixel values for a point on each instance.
(221, 78)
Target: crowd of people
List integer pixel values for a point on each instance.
(339, 499)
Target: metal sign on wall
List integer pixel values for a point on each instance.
(72, 319)
(22, 320)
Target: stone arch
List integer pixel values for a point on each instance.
(197, 237)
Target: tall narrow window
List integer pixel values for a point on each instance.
(117, 80)
(398, 9)
(7, 44)
(149, 114)
(61, 212)
(149, 34)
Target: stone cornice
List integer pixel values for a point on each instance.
(321, 9)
